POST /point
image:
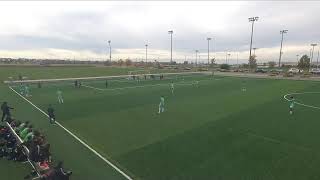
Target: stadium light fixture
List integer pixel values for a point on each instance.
(109, 42)
(197, 57)
(146, 53)
(318, 59)
(209, 39)
(280, 54)
(252, 20)
(171, 32)
(313, 45)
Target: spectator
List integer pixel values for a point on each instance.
(61, 173)
(45, 154)
(34, 152)
(29, 136)
(19, 128)
(15, 123)
(5, 111)
(25, 131)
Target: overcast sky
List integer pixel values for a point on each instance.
(82, 29)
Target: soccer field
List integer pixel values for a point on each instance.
(210, 131)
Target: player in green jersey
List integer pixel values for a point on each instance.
(291, 105)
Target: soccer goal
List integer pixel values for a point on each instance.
(138, 74)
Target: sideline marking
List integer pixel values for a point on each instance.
(299, 103)
(73, 135)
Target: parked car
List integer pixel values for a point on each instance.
(202, 69)
(315, 71)
(295, 70)
(261, 71)
(276, 70)
(223, 70)
(187, 68)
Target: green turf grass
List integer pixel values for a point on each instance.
(215, 131)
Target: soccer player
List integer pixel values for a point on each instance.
(172, 87)
(5, 111)
(21, 89)
(27, 90)
(52, 117)
(161, 105)
(106, 83)
(60, 99)
(196, 83)
(20, 77)
(244, 86)
(75, 83)
(291, 105)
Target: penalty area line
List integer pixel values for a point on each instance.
(77, 138)
(181, 83)
(299, 103)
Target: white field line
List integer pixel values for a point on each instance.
(301, 104)
(147, 80)
(101, 77)
(78, 139)
(91, 87)
(151, 85)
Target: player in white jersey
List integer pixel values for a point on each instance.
(161, 105)
(59, 94)
(196, 83)
(172, 87)
(27, 90)
(244, 86)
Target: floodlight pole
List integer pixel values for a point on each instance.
(171, 32)
(146, 53)
(197, 57)
(313, 45)
(280, 55)
(318, 59)
(226, 57)
(109, 42)
(238, 59)
(252, 19)
(208, 39)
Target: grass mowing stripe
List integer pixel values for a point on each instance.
(278, 141)
(78, 139)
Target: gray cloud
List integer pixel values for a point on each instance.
(89, 30)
